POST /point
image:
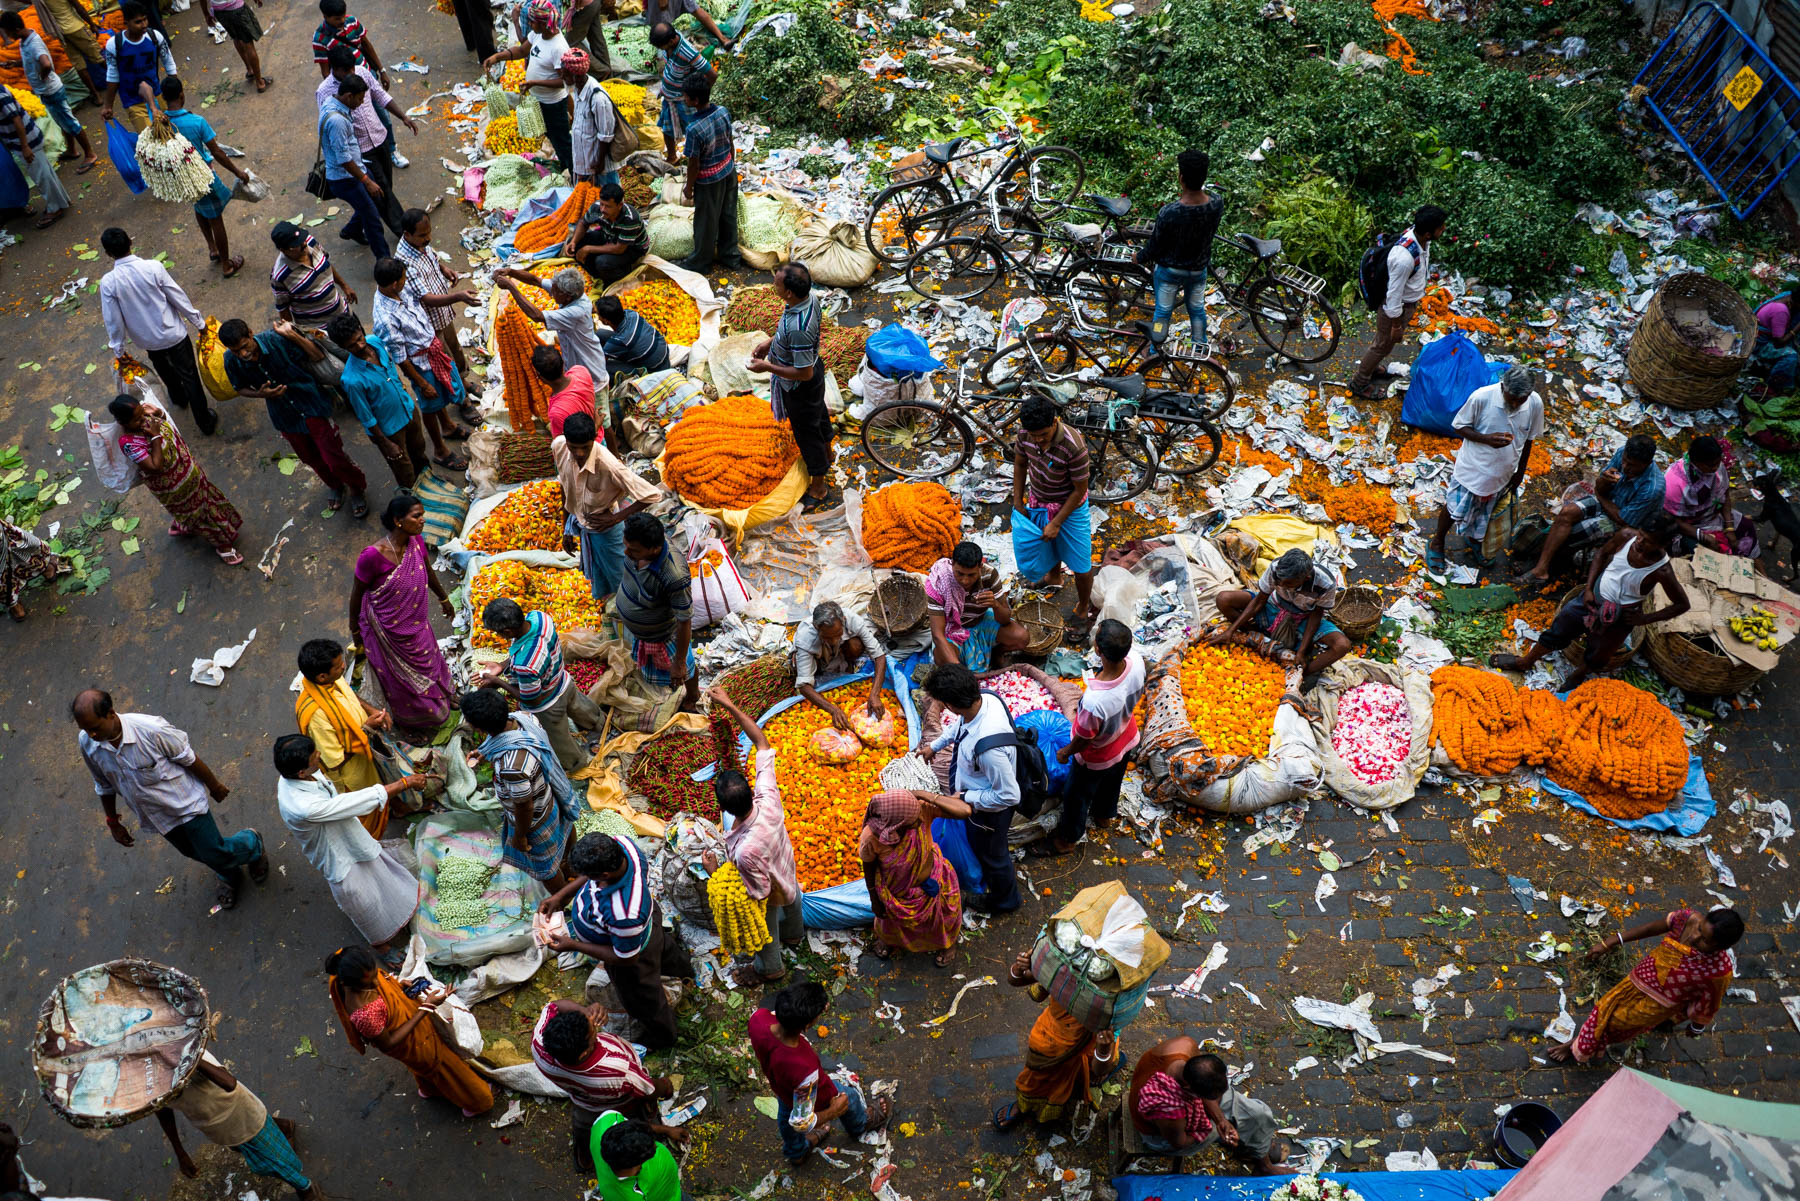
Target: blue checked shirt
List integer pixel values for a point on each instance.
(709, 145)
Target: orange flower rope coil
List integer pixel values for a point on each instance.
(910, 526)
(1623, 751)
(527, 396)
(729, 454)
(1398, 47)
(553, 229)
(672, 311)
(1487, 726)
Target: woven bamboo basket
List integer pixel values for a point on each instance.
(898, 604)
(1671, 370)
(1623, 655)
(1357, 612)
(1685, 663)
(1044, 622)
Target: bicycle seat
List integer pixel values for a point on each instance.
(1131, 387)
(1262, 248)
(942, 152)
(1112, 206)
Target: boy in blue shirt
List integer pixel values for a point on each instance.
(209, 210)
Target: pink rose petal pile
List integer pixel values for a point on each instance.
(1020, 692)
(1373, 732)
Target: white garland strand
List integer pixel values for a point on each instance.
(171, 167)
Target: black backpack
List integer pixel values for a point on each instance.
(1033, 769)
(1372, 272)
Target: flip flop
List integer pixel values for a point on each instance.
(231, 556)
(1043, 848)
(451, 463)
(268, 81)
(334, 504)
(1435, 561)
(226, 897)
(86, 167)
(1007, 1116)
(234, 265)
(359, 507)
(49, 219)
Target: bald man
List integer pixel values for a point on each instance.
(169, 788)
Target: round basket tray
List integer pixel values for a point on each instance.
(1671, 369)
(898, 604)
(1691, 667)
(1623, 655)
(115, 1041)
(1044, 621)
(1358, 612)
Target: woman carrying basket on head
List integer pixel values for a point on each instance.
(1065, 1062)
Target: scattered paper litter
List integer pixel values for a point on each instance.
(211, 672)
(1252, 997)
(1327, 886)
(1294, 1070)
(1196, 980)
(1792, 1005)
(515, 1113)
(1724, 874)
(1412, 1161)
(1353, 1017)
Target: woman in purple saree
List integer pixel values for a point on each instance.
(390, 619)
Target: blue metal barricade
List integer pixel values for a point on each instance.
(1726, 103)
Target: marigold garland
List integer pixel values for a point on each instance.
(729, 454)
(563, 593)
(1434, 313)
(826, 805)
(553, 229)
(530, 518)
(1622, 750)
(1231, 694)
(1489, 727)
(1236, 452)
(910, 526)
(1365, 505)
(1422, 445)
(527, 396)
(672, 311)
(742, 924)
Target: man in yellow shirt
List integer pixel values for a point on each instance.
(340, 725)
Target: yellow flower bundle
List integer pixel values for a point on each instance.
(563, 593)
(826, 804)
(743, 925)
(672, 311)
(527, 396)
(1622, 750)
(512, 78)
(1231, 695)
(552, 229)
(728, 454)
(630, 99)
(1489, 727)
(503, 137)
(910, 526)
(531, 518)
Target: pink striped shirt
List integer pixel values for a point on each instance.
(759, 844)
(613, 1073)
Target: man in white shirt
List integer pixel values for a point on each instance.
(150, 764)
(140, 302)
(596, 121)
(984, 778)
(542, 49)
(1408, 269)
(1497, 424)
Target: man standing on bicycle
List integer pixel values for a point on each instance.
(1051, 528)
(797, 378)
(1180, 249)
(1408, 269)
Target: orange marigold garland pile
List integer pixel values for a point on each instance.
(1232, 695)
(527, 396)
(825, 805)
(553, 229)
(729, 454)
(910, 526)
(1622, 750)
(1486, 725)
(531, 518)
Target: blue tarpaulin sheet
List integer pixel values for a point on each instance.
(1374, 1186)
(1685, 817)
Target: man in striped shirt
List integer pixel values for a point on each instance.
(1051, 528)
(434, 286)
(610, 238)
(599, 1071)
(339, 28)
(308, 290)
(1104, 732)
(797, 378)
(712, 181)
(534, 674)
(681, 62)
(614, 919)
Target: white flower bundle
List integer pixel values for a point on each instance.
(171, 166)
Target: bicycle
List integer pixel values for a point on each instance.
(926, 201)
(1091, 267)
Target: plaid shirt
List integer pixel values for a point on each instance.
(1162, 1099)
(10, 108)
(709, 144)
(535, 662)
(425, 277)
(618, 913)
(759, 843)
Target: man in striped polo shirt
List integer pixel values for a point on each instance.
(712, 181)
(308, 290)
(534, 673)
(609, 239)
(614, 919)
(1051, 528)
(599, 1071)
(1103, 733)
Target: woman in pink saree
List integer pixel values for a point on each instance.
(390, 619)
(912, 887)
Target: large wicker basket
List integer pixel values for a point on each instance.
(898, 604)
(1633, 640)
(1685, 663)
(1673, 370)
(1044, 621)
(1357, 612)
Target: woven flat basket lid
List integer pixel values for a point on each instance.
(116, 1041)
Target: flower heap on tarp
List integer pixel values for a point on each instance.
(563, 593)
(1017, 691)
(1373, 732)
(910, 526)
(1231, 696)
(515, 338)
(172, 168)
(1487, 726)
(502, 136)
(825, 805)
(672, 311)
(552, 229)
(1622, 750)
(729, 454)
(1314, 1188)
(531, 518)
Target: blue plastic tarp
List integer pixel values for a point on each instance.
(1374, 1186)
(1690, 812)
(537, 206)
(896, 351)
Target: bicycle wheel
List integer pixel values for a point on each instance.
(1038, 357)
(1211, 388)
(1177, 446)
(1121, 463)
(956, 268)
(1295, 324)
(1044, 179)
(1111, 294)
(918, 441)
(898, 223)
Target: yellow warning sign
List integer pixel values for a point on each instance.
(1743, 88)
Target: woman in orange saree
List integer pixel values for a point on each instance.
(374, 1008)
(1065, 1062)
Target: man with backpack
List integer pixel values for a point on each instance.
(1392, 280)
(990, 767)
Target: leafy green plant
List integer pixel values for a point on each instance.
(1322, 227)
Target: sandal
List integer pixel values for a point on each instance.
(812, 504)
(233, 265)
(49, 219)
(457, 434)
(874, 1124)
(1528, 585)
(1435, 561)
(451, 462)
(259, 868)
(334, 504)
(226, 897)
(945, 957)
(359, 507)
(1043, 848)
(177, 530)
(1007, 1116)
(87, 166)
(231, 557)
(264, 86)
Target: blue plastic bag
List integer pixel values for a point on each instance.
(952, 837)
(1053, 735)
(841, 907)
(1443, 376)
(896, 351)
(121, 147)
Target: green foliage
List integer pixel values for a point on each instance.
(804, 81)
(1322, 227)
(818, 165)
(1504, 226)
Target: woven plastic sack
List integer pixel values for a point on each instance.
(671, 228)
(1340, 678)
(835, 253)
(767, 224)
(1177, 766)
(512, 896)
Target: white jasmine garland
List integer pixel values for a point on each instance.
(172, 169)
(1312, 1188)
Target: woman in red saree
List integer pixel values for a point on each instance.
(391, 618)
(168, 469)
(374, 1008)
(912, 887)
(1684, 978)
(1065, 1062)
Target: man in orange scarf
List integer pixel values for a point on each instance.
(329, 712)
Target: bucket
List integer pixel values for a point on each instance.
(1523, 1131)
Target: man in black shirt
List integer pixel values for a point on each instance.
(1180, 249)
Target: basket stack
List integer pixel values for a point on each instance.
(1694, 339)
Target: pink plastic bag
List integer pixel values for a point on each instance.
(833, 746)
